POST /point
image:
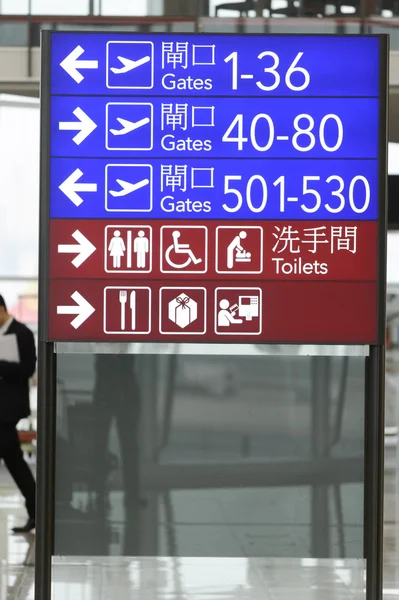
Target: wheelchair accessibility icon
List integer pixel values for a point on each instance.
(179, 248)
(181, 255)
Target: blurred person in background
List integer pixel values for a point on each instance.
(17, 365)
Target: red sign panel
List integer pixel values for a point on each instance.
(207, 250)
(295, 282)
(272, 311)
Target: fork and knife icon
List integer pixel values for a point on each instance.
(123, 296)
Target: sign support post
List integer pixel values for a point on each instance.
(170, 214)
(374, 473)
(375, 375)
(47, 373)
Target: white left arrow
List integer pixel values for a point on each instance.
(71, 186)
(71, 64)
(84, 125)
(83, 249)
(82, 309)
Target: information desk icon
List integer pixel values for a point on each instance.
(184, 249)
(130, 65)
(239, 250)
(238, 311)
(129, 126)
(127, 310)
(182, 311)
(128, 188)
(128, 249)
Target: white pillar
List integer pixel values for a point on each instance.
(155, 7)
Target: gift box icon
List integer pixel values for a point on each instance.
(182, 310)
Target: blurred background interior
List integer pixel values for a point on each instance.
(239, 471)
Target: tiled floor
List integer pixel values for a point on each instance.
(17, 553)
(182, 579)
(168, 579)
(199, 578)
(213, 579)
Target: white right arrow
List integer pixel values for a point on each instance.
(84, 125)
(82, 309)
(84, 248)
(71, 64)
(70, 186)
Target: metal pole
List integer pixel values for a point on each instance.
(47, 363)
(375, 370)
(21, 278)
(46, 416)
(29, 65)
(374, 460)
(30, 40)
(261, 5)
(320, 520)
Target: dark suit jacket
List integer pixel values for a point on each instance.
(14, 377)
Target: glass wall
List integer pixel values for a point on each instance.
(19, 204)
(78, 7)
(255, 454)
(19, 200)
(227, 469)
(197, 8)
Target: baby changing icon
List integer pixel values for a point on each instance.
(182, 310)
(239, 250)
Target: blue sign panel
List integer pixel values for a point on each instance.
(222, 189)
(278, 128)
(214, 65)
(214, 126)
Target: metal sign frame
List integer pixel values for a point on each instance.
(47, 364)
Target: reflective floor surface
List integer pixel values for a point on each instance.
(189, 578)
(17, 553)
(237, 578)
(167, 579)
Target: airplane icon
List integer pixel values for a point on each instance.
(128, 126)
(128, 188)
(129, 65)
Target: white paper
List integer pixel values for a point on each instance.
(9, 348)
